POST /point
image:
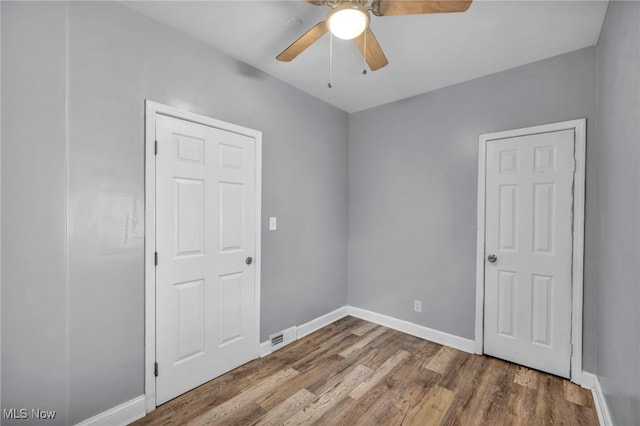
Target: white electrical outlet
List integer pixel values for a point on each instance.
(417, 305)
(273, 223)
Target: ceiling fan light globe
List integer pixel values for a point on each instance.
(347, 22)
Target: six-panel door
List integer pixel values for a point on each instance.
(529, 202)
(205, 231)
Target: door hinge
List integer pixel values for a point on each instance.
(155, 258)
(156, 148)
(155, 369)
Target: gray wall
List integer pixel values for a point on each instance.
(413, 176)
(74, 78)
(618, 186)
(34, 281)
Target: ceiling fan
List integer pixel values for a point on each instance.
(349, 19)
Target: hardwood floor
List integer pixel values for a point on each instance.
(353, 372)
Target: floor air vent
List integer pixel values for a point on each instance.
(282, 338)
(277, 340)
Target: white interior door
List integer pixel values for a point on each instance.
(205, 236)
(528, 248)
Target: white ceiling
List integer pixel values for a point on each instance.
(425, 52)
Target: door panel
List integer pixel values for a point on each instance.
(231, 308)
(189, 314)
(528, 226)
(231, 207)
(543, 218)
(188, 216)
(508, 217)
(506, 303)
(542, 289)
(205, 229)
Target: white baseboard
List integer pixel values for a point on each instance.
(423, 332)
(591, 381)
(323, 321)
(588, 380)
(123, 414)
(413, 329)
(309, 327)
(265, 348)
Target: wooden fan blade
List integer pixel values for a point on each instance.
(416, 7)
(306, 40)
(374, 55)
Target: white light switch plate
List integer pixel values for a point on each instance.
(273, 223)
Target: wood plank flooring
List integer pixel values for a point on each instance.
(353, 372)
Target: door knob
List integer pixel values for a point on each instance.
(249, 260)
(492, 258)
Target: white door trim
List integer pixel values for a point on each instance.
(579, 127)
(151, 110)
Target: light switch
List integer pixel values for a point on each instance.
(273, 223)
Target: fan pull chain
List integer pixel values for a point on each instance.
(364, 57)
(330, 60)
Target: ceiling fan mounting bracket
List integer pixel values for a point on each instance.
(335, 3)
(375, 8)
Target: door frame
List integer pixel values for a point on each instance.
(152, 109)
(579, 128)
